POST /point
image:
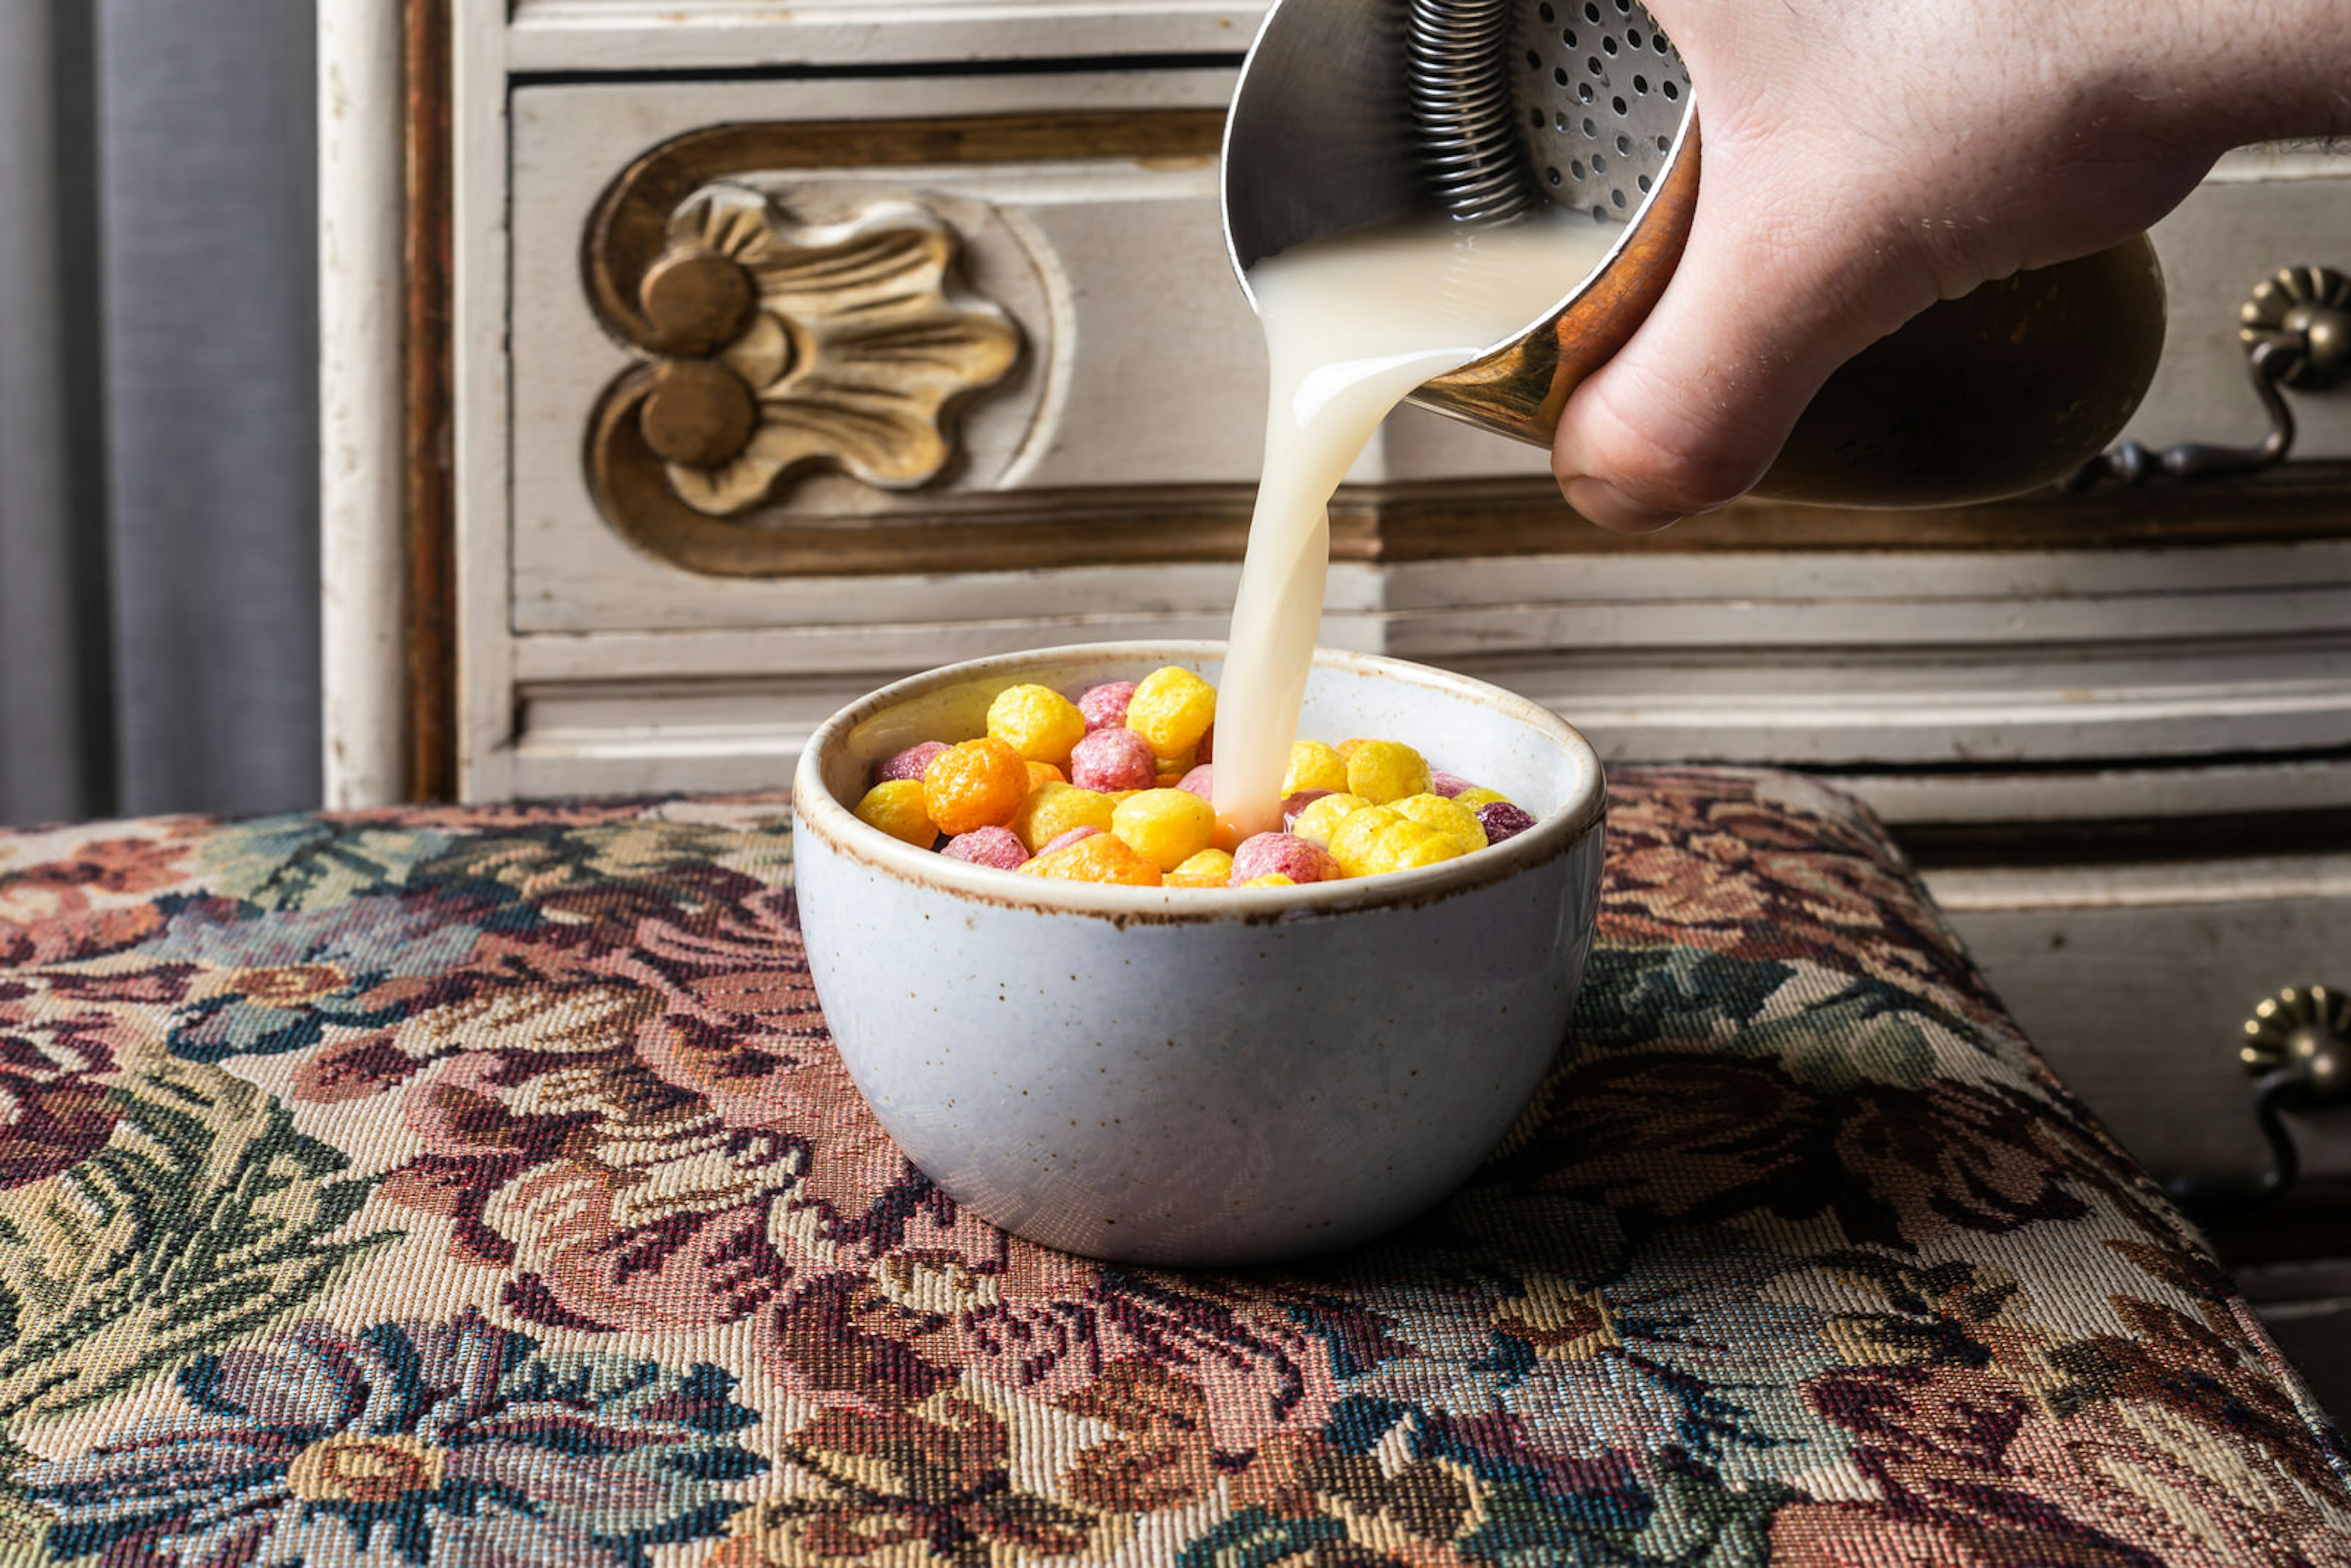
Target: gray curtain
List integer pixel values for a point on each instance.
(158, 469)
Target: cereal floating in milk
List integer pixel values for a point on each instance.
(1070, 790)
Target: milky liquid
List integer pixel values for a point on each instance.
(1352, 324)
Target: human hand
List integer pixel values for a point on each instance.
(1864, 158)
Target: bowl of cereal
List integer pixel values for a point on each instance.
(1090, 1029)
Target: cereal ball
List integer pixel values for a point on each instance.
(1165, 827)
(1052, 810)
(1209, 868)
(1113, 759)
(1376, 840)
(974, 784)
(909, 763)
(895, 806)
(1504, 821)
(1296, 803)
(986, 846)
(1201, 781)
(1166, 779)
(1097, 857)
(1105, 706)
(1447, 785)
(1454, 820)
(1313, 766)
(1318, 821)
(1206, 749)
(1264, 855)
(1063, 841)
(1384, 770)
(1474, 798)
(1171, 709)
(1037, 722)
(1271, 879)
(1045, 773)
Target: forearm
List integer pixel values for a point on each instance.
(2217, 76)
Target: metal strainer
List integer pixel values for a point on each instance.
(1356, 112)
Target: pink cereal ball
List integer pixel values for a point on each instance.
(1447, 785)
(1063, 841)
(909, 763)
(998, 847)
(1105, 706)
(1291, 805)
(1282, 855)
(1201, 781)
(1502, 820)
(1112, 759)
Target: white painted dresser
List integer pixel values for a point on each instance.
(2117, 726)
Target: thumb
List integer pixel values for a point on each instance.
(1766, 304)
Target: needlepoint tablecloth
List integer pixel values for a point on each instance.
(480, 1187)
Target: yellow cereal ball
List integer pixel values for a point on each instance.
(1171, 709)
(1376, 840)
(1313, 766)
(1052, 810)
(1100, 858)
(1165, 827)
(896, 807)
(1452, 818)
(1316, 823)
(1384, 770)
(1209, 868)
(974, 784)
(1166, 781)
(1480, 796)
(1037, 722)
(1270, 879)
(1042, 773)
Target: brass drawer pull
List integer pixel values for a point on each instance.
(2297, 1049)
(2297, 334)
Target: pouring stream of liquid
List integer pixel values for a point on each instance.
(1353, 324)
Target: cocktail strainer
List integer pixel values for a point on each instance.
(1356, 112)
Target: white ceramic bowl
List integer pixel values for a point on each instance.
(1185, 1076)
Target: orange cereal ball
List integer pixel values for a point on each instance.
(1052, 810)
(1165, 827)
(1384, 770)
(1475, 798)
(1037, 722)
(1454, 820)
(1043, 773)
(1171, 709)
(974, 784)
(1209, 868)
(1319, 821)
(1100, 858)
(1314, 766)
(895, 806)
(1376, 840)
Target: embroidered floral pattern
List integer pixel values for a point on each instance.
(1800, 1255)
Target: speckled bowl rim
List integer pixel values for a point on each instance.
(817, 811)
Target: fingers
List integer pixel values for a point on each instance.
(1764, 307)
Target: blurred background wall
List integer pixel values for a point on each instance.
(158, 354)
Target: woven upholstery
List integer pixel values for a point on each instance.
(481, 1186)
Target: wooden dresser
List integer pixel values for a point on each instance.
(622, 531)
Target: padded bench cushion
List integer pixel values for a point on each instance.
(481, 1186)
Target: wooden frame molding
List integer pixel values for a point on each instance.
(429, 407)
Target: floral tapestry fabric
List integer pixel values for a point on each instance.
(481, 1186)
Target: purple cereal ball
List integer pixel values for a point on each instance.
(1105, 706)
(1447, 784)
(1291, 805)
(1109, 759)
(1266, 854)
(909, 763)
(1502, 820)
(998, 847)
(1206, 750)
(1201, 781)
(1063, 841)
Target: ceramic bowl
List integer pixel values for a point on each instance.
(1202, 1077)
